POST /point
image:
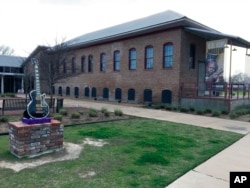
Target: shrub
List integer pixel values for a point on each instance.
(103, 110)
(75, 115)
(191, 109)
(225, 112)
(208, 111)
(233, 115)
(157, 107)
(216, 113)
(4, 119)
(93, 112)
(63, 112)
(200, 112)
(182, 109)
(239, 111)
(162, 106)
(178, 108)
(106, 114)
(58, 117)
(81, 112)
(168, 107)
(118, 112)
(174, 108)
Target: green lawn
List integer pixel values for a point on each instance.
(141, 153)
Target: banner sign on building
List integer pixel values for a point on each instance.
(215, 61)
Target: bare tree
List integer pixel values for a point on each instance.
(6, 50)
(238, 77)
(52, 62)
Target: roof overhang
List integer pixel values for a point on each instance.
(214, 35)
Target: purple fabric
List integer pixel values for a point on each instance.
(36, 120)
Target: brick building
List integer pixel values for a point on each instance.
(145, 60)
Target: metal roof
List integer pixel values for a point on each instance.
(161, 21)
(11, 61)
(146, 23)
(215, 35)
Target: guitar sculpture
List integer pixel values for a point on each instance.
(37, 107)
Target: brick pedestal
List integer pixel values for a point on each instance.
(35, 139)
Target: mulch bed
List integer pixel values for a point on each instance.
(67, 120)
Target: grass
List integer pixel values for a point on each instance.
(140, 153)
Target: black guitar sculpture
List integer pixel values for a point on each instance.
(37, 107)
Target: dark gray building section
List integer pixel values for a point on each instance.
(11, 74)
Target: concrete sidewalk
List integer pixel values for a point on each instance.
(214, 172)
(196, 120)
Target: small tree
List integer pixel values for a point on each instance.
(238, 77)
(6, 50)
(52, 62)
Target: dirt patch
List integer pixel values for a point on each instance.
(70, 152)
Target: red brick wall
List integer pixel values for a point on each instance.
(188, 74)
(156, 79)
(36, 139)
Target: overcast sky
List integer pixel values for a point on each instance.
(28, 23)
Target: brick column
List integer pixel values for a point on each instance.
(35, 139)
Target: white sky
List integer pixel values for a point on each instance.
(28, 23)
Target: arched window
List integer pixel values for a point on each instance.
(166, 96)
(86, 91)
(53, 90)
(90, 63)
(68, 91)
(93, 92)
(149, 57)
(147, 95)
(132, 59)
(76, 92)
(60, 90)
(118, 94)
(168, 53)
(131, 94)
(117, 59)
(103, 62)
(105, 93)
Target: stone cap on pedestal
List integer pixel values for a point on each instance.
(20, 124)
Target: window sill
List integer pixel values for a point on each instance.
(167, 68)
(148, 69)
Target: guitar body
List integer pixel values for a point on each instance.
(37, 107)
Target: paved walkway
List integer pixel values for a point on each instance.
(214, 173)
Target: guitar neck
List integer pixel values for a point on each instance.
(38, 92)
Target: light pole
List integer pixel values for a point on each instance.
(230, 71)
(230, 64)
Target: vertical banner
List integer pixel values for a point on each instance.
(215, 61)
(213, 70)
